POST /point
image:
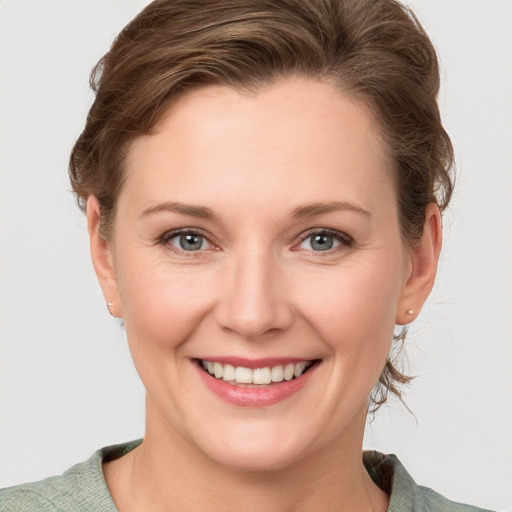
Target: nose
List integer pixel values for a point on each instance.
(254, 300)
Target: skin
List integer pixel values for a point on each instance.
(259, 288)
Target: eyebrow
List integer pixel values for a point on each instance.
(177, 207)
(313, 209)
(301, 212)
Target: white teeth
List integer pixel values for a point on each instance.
(277, 374)
(229, 372)
(261, 376)
(266, 375)
(299, 368)
(217, 370)
(243, 375)
(289, 371)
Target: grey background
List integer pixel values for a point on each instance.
(67, 385)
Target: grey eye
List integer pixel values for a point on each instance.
(189, 241)
(322, 242)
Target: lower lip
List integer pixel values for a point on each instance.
(255, 396)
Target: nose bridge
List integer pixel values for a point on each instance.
(253, 302)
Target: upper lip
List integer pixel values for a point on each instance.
(254, 363)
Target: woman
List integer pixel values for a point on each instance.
(263, 184)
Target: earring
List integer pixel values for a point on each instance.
(410, 312)
(109, 307)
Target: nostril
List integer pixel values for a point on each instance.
(251, 324)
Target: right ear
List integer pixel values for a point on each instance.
(102, 258)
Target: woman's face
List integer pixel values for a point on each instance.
(259, 231)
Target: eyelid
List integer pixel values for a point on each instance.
(345, 240)
(168, 235)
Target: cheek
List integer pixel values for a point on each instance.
(164, 304)
(353, 307)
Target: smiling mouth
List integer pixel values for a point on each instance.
(247, 377)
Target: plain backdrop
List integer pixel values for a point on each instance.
(67, 384)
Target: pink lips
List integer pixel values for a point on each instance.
(260, 396)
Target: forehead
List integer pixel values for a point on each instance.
(297, 138)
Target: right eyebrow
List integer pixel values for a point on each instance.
(174, 206)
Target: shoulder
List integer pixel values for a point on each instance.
(434, 502)
(72, 490)
(23, 498)
(80, 488)
(389, 474)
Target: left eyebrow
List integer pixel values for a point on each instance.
(310, 210)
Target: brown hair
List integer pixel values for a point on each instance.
(374, 50)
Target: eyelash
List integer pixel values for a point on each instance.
(345, 240)
(169, 235)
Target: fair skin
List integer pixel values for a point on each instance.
(252, 281)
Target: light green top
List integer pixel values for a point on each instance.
(82, 488)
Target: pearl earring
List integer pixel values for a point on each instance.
(410, 312)
(109, 307)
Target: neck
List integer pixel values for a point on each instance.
(167, 473)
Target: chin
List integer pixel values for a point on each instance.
(254, 460)
(248, 453)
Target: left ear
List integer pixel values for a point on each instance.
(424, 256)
